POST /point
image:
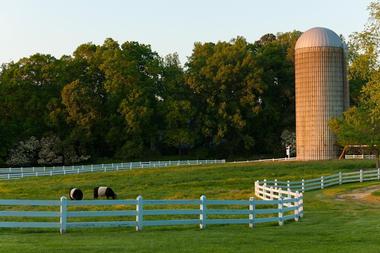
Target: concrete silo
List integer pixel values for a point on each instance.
(321, 92)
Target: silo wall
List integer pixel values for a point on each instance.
(321, 94)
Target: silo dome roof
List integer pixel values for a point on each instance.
(319, 37)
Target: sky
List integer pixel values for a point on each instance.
(59, 27)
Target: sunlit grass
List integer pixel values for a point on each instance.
(329, 225)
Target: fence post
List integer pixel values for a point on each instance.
(322, 184)
(300, 206)
(265, 182)
(296, 203)
(361, 176)
(288, 185)
(275, 183)
(280, 212)
(63, 215)
(303, 185)
(340, 177)
(252, 215)
(271, 193)
(203, 215)
(378, 173)
(139, 213)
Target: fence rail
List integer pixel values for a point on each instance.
(17, 173)
(369, 157)
(140, 213)
(323, 181)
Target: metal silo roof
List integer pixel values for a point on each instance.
(319, 37)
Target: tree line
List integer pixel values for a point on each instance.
(124, 101)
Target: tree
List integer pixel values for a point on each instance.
(25, 153)
(50, 152)
(226, 85)
(364, 52)
(132, 73)
(175, 107)
(275, 58)
(82, 104)
(361, 124)
(26, 87)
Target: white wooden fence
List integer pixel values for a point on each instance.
(360, 157)
(323, 181)
(140, 213)
(21, 172)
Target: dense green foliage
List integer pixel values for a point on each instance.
(329, 225)
(126, 102)
(360, 124)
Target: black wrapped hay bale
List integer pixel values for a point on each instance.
(104, 191)
(75, 194)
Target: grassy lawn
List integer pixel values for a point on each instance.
(329, 224)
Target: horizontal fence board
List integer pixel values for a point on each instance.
(308, 188)
(370, 179)
(170, 222)
(19, 202)
(14, 224)
(267, 219)
(289, 217)
(227, 211)
(369, 171)
(101, 224)
(171, 202)
(227, 221)
(100, 213)
(350, 180)
(227, 202)
(172, 212)
(29, 214)
(357, 177)
(313, 184)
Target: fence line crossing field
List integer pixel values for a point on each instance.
(329, 223)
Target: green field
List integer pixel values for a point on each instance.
(329, 224)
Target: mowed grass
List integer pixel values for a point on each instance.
(329, 225)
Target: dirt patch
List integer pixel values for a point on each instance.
(362, 194)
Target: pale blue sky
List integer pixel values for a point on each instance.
(58, 27)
